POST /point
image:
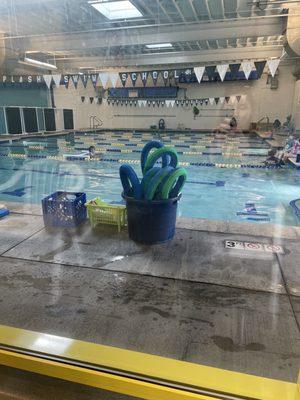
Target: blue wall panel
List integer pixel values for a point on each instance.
(2, 121)
(30, 95)
(40, 117)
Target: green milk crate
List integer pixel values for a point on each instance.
(101, 213)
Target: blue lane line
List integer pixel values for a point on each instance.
(217, 183)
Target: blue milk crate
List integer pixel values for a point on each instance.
(64, 209)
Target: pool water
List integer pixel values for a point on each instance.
(210, 192)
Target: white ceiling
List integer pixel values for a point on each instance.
(76, 35)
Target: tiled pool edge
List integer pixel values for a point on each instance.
(242, 228)
(199, 224)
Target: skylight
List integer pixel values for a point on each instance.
(159, 46)
(117, 9)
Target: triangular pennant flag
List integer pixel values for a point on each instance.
(188, 75)
(114, 77)
(222, 69)
(108, 101)
(216, 100)
(199, 71)
(82, 99)
(56, 79)
(206, 101)
(273, 65)
(144, 76)
(66, 80)
(75, 79)
(232, 99)
(168, 102)
(247, 67)
(227, 98)
(201, 102)
(94, 79)
(154, 75)
(123, 77)
(177, 74)
(133, 77)
(140, 103)
(48, 80)
(130, 103)
(172, 103)
(210, 72)
(165, 76)
(84, 79)
(153, 103)
(221, 99)
(103, 76)
(234, 69)
(238, 98)
(260, 66)
(91, 99)
(211, 100)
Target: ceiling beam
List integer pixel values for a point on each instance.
(167, 59)
(145, 35)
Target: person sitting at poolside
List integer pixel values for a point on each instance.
(291, 149)
(275, 157)
(288, 126)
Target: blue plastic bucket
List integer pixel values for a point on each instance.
(151, 222)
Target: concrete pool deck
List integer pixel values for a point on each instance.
(190, 299)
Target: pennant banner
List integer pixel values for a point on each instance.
(247, 67)
(66, 80)
(133, 76)
(234, 69)
(123, 77)
(259, 66)
(199, 71)
(144, 77)
(222, 69)
(75, 79)
(273, 65)
(154, 75)
(210, 72)
(56, 79)
(84, 80)
(165, 76)
(103, 77)
(94, 79)
(48, 80)
(114, 77)
(188, 75)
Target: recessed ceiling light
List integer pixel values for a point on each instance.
(159, 46)
(117, 9)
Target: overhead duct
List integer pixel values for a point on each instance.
(292, 36)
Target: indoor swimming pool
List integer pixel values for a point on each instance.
(225, 174)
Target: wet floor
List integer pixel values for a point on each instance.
(190, 299)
